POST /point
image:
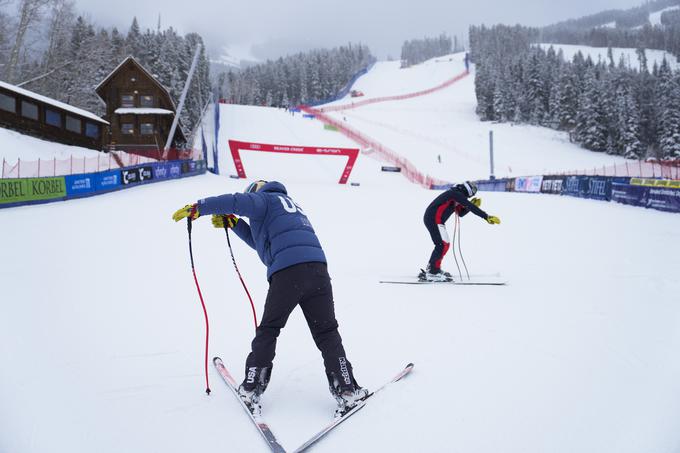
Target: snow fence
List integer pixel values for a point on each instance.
(27, 191)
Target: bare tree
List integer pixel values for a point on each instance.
(29, 13)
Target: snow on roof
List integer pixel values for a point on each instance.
(142, 111)
(50, 101)
(143, 69)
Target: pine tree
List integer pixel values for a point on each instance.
(591, 129)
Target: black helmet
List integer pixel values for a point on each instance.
(469, 188)
(255, 186)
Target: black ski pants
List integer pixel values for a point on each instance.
(440, 238)
(307, 285)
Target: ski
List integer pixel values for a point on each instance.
(321, 434)
(415, 281)
(261, 426)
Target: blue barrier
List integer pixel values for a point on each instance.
(80, 185)
(90, 184)
(594, 187)
(107, 181)
(660, 198)
(492, 185)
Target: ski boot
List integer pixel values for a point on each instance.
(346, 395)
(253, 386)
(434, 276)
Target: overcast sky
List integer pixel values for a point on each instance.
(271, 28)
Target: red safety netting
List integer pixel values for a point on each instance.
(375, 149)
(71, 166)
(371, 146)
(353, 105)
(666, 169)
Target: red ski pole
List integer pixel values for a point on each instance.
(205, 312)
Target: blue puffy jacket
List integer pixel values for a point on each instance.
(279, 230)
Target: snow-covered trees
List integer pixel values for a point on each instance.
(72, 56)
(419, 50)
(605, 106)
(300, 78)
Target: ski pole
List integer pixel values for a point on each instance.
(233, 260)
(205, 312)
(453, 247)
(459, 249)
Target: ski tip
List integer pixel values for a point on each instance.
(216, 360)
(410, 365)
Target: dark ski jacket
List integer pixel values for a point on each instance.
(279, 230)
(448, 202)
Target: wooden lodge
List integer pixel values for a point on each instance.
(33, 114)
(139, 109)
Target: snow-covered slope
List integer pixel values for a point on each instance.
(655, 18)
(101, 330)
(19, 146)
(387, 78)
(630, 57)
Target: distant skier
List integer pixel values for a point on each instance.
(437, 213)
(296, 270)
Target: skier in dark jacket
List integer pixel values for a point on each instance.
(296, 270)
(453, 200)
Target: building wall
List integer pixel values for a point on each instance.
(131, 81)
(34, 117)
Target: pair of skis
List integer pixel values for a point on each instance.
(267, 433)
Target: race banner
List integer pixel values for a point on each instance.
(235, 147)
(31, 189)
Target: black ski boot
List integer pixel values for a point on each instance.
(346, 391)
(253, 386)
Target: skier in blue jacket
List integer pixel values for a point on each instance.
(296, 270)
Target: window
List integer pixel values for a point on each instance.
(52, 117)
(127, 101)
(73, 124)
(127, 128)
(92, 130)
(146, 101)
(8, 103)
(29, 110)
(146, 128)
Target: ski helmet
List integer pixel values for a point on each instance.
(255, 186)
(469, 187)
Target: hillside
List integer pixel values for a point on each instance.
(104, 351)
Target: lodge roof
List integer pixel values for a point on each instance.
(52, 102)
(144, 71)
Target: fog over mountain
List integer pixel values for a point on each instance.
(270, 29)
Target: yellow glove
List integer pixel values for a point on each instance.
(476, 201)
(493, 220)
(190, 210)
(219, 221)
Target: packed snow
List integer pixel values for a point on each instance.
(102, 332)
(630, 57)
(19, 146)
(387, 78)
